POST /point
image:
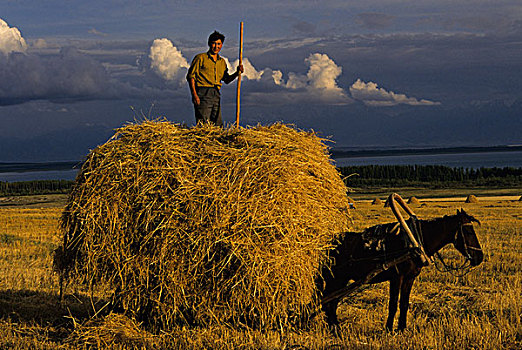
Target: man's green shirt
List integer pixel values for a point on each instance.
(207, 72)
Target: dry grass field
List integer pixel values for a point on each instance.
(481, 310)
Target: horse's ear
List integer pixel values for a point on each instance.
(458, 211)
(473, 219)
(470, 218)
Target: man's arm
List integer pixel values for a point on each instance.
(229, 78)
(191, 79)
(192, 86)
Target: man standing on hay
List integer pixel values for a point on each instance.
(204, 76)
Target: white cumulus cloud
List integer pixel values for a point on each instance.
(276, 75)
(372, 95)
(296, 81)
(167, 61)
(323, 72)
(321, 80)
(39, 44)
(318, 85)
(10, 39)
(266, 76)
(250, 72)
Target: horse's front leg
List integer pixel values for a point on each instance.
(406, 286)
(395, 284)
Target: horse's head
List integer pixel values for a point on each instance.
(466, 241)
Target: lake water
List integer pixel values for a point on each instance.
(39, 175)
(457, 160)
(454, 160)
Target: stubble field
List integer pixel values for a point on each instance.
(481, 310)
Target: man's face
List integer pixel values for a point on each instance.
(215, 46)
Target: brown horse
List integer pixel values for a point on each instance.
(360, 254)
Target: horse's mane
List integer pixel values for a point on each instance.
(438, 219)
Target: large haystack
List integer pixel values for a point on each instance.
(204, 225)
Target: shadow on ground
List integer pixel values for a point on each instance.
(44, 310)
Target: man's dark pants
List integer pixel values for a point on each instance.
(209, 109)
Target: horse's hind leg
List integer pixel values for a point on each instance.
(395, 284)
(405, 302)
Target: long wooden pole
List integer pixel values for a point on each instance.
(238, 94)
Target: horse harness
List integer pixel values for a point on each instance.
(385, 258)
(388, 258)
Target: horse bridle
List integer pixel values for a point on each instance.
(466, 265)
(466, 246)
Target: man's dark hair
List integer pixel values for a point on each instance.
(215, 37)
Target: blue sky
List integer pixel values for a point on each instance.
(431, 72)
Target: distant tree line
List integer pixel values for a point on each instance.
(34, 187)
(434, 176)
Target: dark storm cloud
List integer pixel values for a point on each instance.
(304, 27)
(68, 76)
(375, 20)
(96, 71)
